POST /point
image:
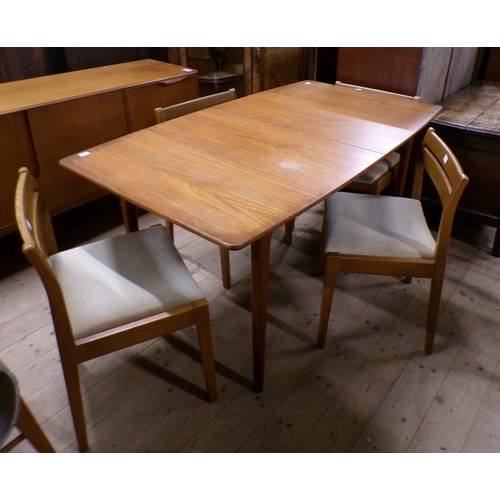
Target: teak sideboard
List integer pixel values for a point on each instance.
(48, 118)
(469, 123)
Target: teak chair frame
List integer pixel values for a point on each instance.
(384, 180)
(39, 243)
(184, 108)
(447, 175)
(23, 419)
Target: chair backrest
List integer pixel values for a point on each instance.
(33, 219)
(35, 228)
(445, 171)
(184, 108)
(358, 87)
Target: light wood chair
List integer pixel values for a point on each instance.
(389, 235)
(110, 294)
(377, 178)
(14, 412)
(184, 108)
(384, 173)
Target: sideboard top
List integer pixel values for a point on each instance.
(475, 108)
(35, 92)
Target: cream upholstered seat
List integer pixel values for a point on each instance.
(382, 226)
(184, 108)
(388, 235)
(111, 294)
(122, 279)
(378, 177)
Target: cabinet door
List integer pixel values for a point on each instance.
(141, 101)
(270, 67)
(62, 129)
(16, 152)
(479, 156)
(395, 69)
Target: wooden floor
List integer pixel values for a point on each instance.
(372, 389)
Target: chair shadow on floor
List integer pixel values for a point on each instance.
(192, 352)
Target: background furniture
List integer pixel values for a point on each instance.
(259, 68)
(429, 72)
(14, 412)
(219, 68)
(184, 108)
(388, 235)
(44, 119)
(469, 123)
(110, 294)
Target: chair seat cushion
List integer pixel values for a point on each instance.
(122, 279)
(379, 169)
(9, 402)
(382, 226)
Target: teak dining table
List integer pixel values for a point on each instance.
(235, 172)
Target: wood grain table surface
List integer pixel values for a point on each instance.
(236, 172)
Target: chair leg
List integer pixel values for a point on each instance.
(327, 298)
(289, 227)
(225, 268)
(170, 228)
(206, 351)
(32, 431)
(432, 314)
(73, 387)
(322, 254)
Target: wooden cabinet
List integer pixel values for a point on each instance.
(432, 73)
(17, 63)
(254, 68)
(45, 119)
(16, 151)
(469, 124)
(270, 67)
(62, 129)
(140, 102)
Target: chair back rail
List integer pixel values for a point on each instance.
(184, 108)
(342, 84)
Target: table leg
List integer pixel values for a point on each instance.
(404, 161)
(260, 279)
(129, 214)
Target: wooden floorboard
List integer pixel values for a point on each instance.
(371, 389)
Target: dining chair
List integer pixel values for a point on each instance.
(385, 172)
(378, 177)
(389, 235)
(184, 108)
(110, 294)
(14, 412)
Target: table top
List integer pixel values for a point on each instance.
(475, 108)
(34, 92)
(234, 172)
